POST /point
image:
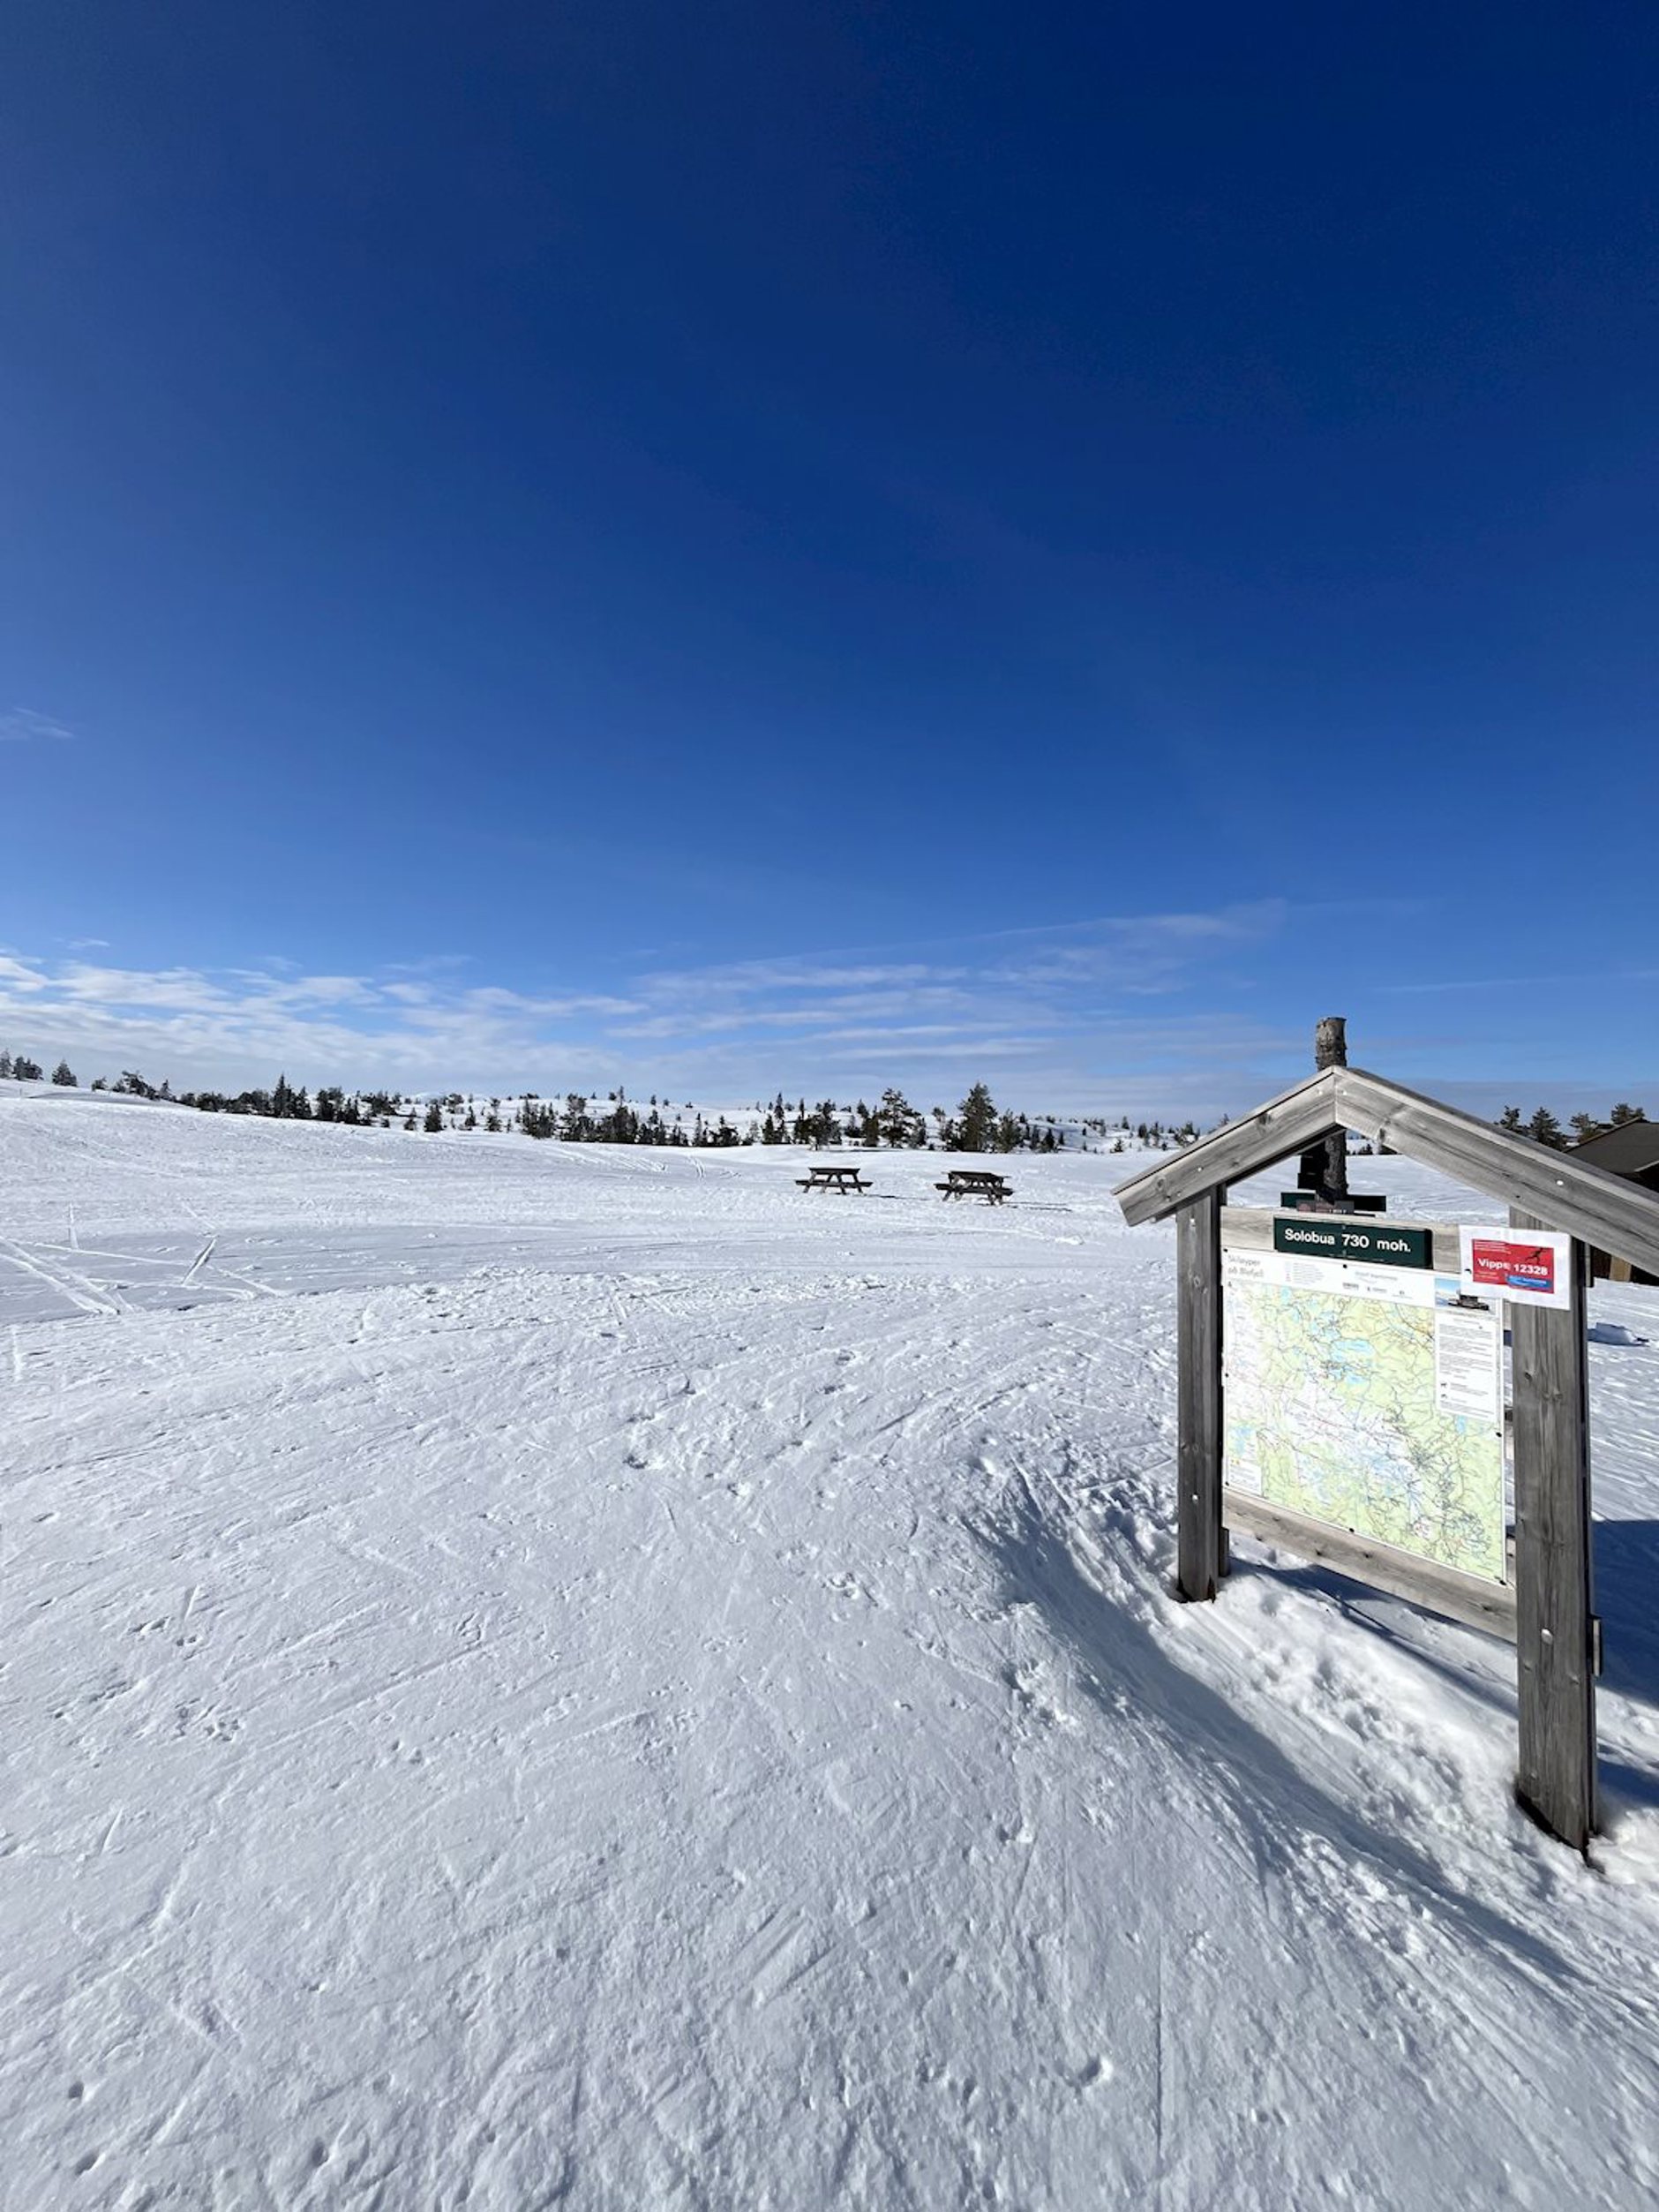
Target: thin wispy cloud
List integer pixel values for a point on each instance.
(1126, 1013)
(22, 725)
(1522, 982)
(1051, 1002)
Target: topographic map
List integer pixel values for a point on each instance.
(1342, 1386)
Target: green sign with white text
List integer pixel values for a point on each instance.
(1377, 1244)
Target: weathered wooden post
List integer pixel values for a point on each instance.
(1323, 1167)
(1200, 1563)
(1554, 1624)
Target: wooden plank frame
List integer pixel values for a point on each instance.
(1290, 1123)
(1489, 1606)
(1554, 1624)
(1605, 1210)
(1559, 1191)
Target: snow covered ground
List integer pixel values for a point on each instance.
(645, 1687)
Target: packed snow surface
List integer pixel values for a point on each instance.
(542, 1674)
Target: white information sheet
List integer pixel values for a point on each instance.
(1468, 1364)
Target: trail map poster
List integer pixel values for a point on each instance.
(1360, 1397)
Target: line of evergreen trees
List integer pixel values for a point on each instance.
(977, 1126)
(582, 1121)
(17, 1067)
(1544, 1129)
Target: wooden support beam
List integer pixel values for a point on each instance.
(1273, 1131)
(1487, 1606)
(1201, 1561)
(1553, 1596)
(1560, 1191)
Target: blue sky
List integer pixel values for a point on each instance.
(741, 547)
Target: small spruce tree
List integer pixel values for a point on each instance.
(976, 1127)
(1544, 1129)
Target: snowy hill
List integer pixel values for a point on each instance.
(556, 1671)
(671, 1120)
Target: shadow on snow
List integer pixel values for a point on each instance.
(1276, 1803)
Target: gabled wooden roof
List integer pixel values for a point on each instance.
(1563, 1192)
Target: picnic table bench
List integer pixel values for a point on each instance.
(975, 1183)
(836, 1177)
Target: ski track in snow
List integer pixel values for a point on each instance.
(647, 1687)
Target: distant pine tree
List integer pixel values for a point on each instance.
(976, 1127)
(1510, 1118)
(1626, 1112)
(1544, 1129)
(64, 1074)
(434, 1120)
(896, 1116)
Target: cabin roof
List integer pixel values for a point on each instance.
(1631, 1147)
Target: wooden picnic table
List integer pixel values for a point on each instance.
(975, 1183)
(833, 1177)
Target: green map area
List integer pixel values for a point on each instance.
(1331, 1409)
